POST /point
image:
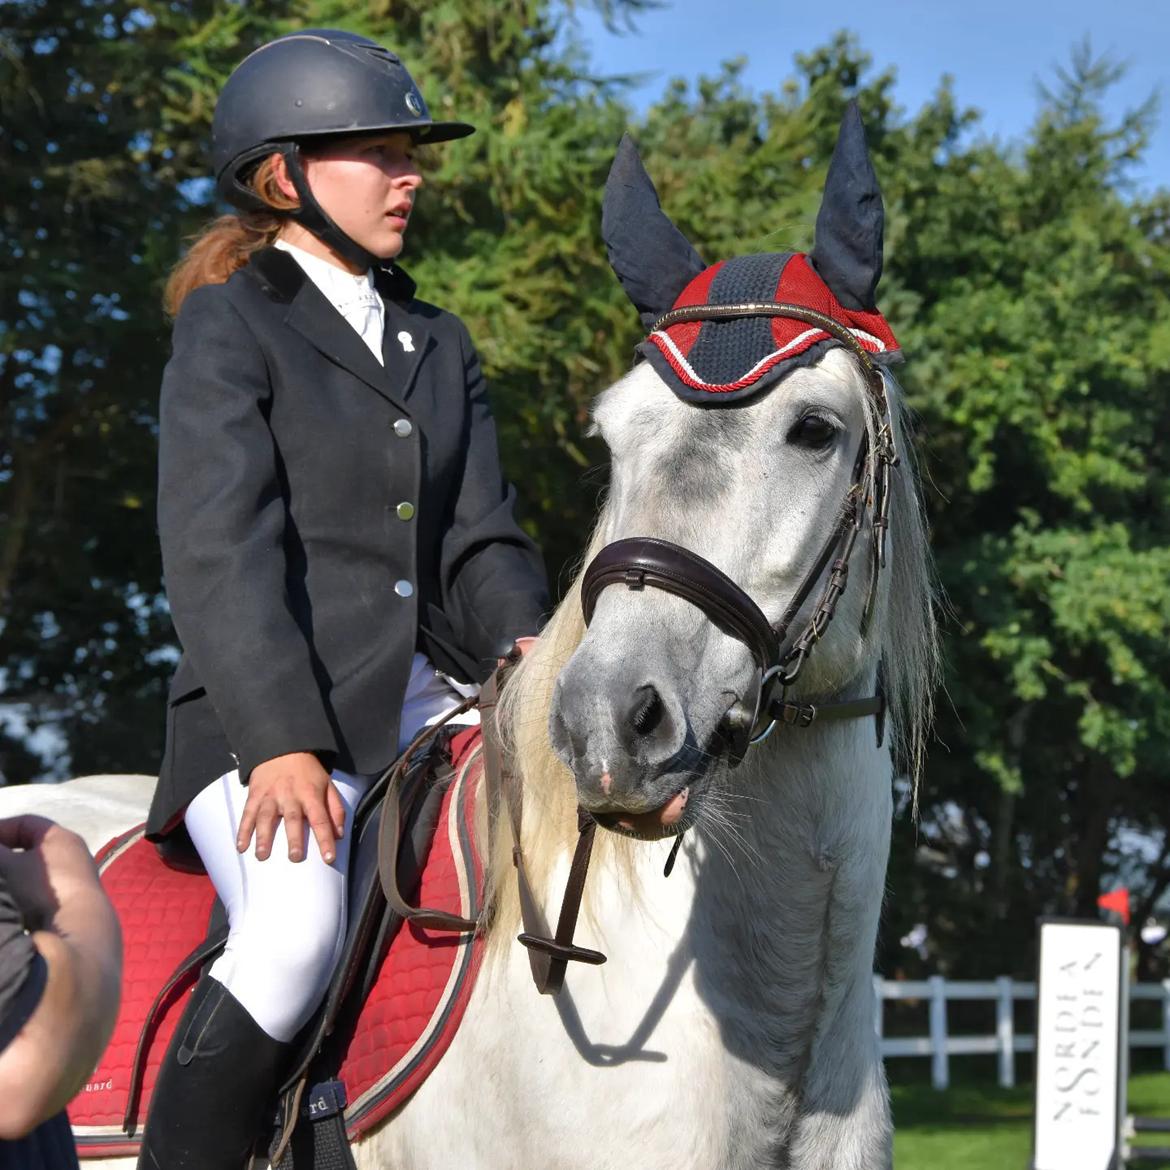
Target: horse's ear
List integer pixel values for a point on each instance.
(650, 256)
(848, 250)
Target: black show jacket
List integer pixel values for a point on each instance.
(321, 517)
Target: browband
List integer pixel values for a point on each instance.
(779, 309)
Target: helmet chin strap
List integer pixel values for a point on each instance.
(314, 218)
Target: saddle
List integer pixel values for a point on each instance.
(396, 998)
(398, 995)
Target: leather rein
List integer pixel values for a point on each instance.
(641, 562)
(548, 953)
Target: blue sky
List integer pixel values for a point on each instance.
(996, 50)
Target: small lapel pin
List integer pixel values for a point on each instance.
(406, 341)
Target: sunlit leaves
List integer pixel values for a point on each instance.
(1029, 285)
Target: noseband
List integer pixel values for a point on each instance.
(641, 562)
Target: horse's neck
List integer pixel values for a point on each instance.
(787, 889)
(767, 922)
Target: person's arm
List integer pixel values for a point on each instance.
(222, 518)
(74, 961)
(494, 583)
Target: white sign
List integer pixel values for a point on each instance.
(1077, 1047)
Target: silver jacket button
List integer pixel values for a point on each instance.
(404, 588)
(403, 427)
(405, 510)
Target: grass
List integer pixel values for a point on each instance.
(982, 1127)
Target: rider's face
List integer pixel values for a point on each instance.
(367, 184)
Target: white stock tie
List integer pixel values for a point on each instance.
(354, 297)
(364, 313)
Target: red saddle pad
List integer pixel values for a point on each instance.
(403, 1029)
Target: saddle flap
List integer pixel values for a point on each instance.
(371, 927)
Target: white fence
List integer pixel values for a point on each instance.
(1005, 1043)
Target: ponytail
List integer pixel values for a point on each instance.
(227, 243)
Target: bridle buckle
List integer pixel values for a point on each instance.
(799, 714)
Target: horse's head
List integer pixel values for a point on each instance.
(756, 440)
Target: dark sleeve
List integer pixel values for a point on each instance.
(221, 516)
(22, 970)
(23, 975)
(494, 583)
(49, 1147)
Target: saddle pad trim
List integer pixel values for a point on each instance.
(398, 1083)
(112, 850)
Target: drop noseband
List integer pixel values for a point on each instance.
(641, 562)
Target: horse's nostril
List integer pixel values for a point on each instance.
(647, 711)
(648, 724)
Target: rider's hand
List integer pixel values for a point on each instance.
(296, 788)
(521, 647)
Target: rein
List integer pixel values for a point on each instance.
(548, 955)
(647, 562)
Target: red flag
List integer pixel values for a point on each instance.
(1117, 901)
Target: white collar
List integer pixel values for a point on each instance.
(341, 288)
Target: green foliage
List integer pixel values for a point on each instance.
(1041, 378)
(1029, 286)
(99, 102)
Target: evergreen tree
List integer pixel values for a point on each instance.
(1029, 286)
(1041, 373)
(106, 109)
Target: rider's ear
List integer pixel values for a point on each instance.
(848, 250)
(651, 257)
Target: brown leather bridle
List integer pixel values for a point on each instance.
(638, 562)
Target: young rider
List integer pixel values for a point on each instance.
(334, 528)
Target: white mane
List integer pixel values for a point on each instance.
(904, 634)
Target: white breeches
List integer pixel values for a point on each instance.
(286, 919)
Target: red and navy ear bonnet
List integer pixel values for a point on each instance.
(717, 361)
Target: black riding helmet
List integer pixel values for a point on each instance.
(306, 86)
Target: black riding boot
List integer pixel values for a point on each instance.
(219, 1075)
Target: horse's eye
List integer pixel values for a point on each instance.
(813, 431)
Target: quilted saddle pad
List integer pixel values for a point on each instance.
(424, 980)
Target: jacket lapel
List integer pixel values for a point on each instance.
(405, 343)
(323, 326)
(311, 315)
